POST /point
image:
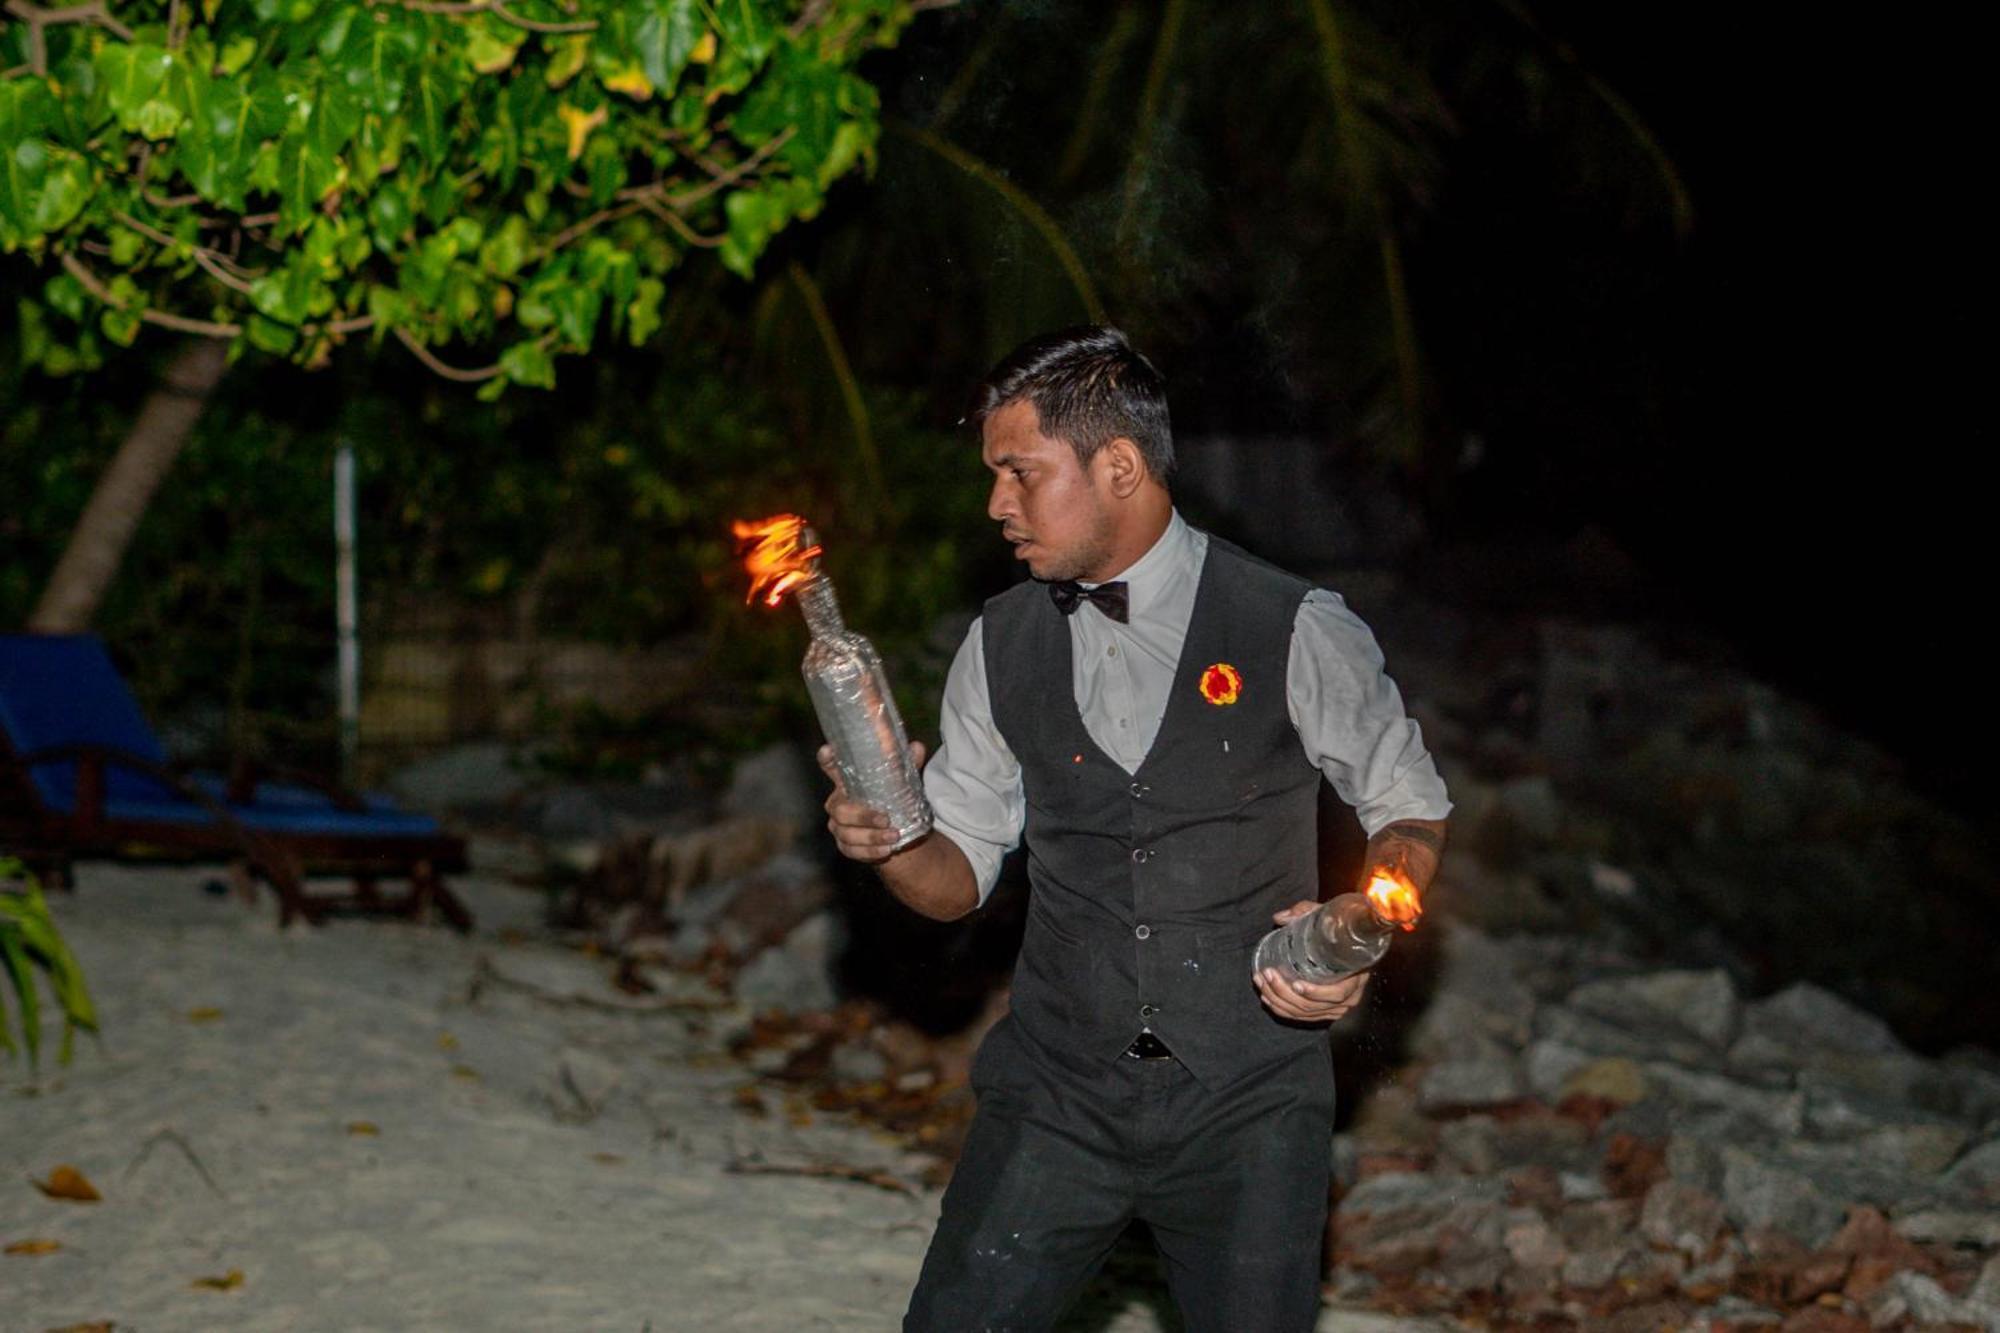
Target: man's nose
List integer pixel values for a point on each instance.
(1000, 501)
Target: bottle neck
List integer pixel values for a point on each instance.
(821, 608)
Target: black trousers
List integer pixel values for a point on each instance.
(1233, 1184)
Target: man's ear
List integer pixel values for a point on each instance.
(1121, 467)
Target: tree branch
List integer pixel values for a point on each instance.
(727, 178)
(680, 224)
(453, 373)
(93, 284)
(38, 19)
(211, 262)
(498, 11)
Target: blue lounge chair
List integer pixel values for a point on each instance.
(82, 775)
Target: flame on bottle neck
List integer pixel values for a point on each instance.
(1393, 898)
(781, 555)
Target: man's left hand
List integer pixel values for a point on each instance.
(1302, 1001)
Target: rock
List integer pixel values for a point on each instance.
(1602, 1036)
(1548, 1066)
(1680, 1217)
(481, 777)
(584, 1082)
(1986, 1287)
(858, 1064)
(1694, 1161)
(1915, 1296)
(1615, 1079)
(1917, 1150)
(1965, 1086)
(573, 815)
(796, 975)
(1977, 1169)
(1699, 1004)
(1457, 1084)
(688, 945)
(1470, 1144)
(1804, 1017)
(1781, 1114)
(1389, 1122)
(778, 782)
(1758, 1193)
(1965, 1227)
(1531, 1242)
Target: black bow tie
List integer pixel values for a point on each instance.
(1111, 598)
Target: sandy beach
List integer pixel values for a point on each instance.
(370, 1125)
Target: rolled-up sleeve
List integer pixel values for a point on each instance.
(1350, 718)
(974, 780)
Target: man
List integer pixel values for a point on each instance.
(1154, 712)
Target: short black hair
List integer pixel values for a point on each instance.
(1089, 387)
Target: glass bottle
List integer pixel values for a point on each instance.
(850, 692)
(1336, 939)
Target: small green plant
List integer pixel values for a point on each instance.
(29, 941)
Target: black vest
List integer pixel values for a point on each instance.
(1151, 890)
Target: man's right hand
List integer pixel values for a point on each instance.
(861, 832)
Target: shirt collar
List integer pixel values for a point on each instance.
(1165, 564)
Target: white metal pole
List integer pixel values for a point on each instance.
(345, 611)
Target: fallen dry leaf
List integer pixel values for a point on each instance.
(447, 1042)
(96, 1326)
(34, 1247)
(607, 1158)
(363, 1128)
(66, 1182)
(466, 1072)
(229, 1281)
(208, 1013)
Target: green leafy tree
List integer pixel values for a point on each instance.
(30, 943)
(478, 181)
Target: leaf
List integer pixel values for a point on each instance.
(366, 1129)
(16, 959)
(66, 1182)
(64, 193)
(631, 81)
(270, 336)
(236, 53)
(121, 324)
(229, 1281)
(489, 50)
(129, 75)
(33, 1247)
(571, 54)
(578, 125)
(665, 38)
(207, 1013)
(526, 363)
(642, 313)
(158, 119)
(26, 109)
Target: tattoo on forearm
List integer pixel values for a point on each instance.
(1416, 833)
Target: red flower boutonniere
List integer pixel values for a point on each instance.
(1221, 684)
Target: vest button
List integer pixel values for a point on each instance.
(1144, 932)
(1141, 855)
(1140, 789)
(1148, 1010)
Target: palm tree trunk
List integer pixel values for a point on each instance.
(98, 542)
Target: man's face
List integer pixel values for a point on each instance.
(1046, 502)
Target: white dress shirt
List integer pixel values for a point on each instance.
(1348, 713)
